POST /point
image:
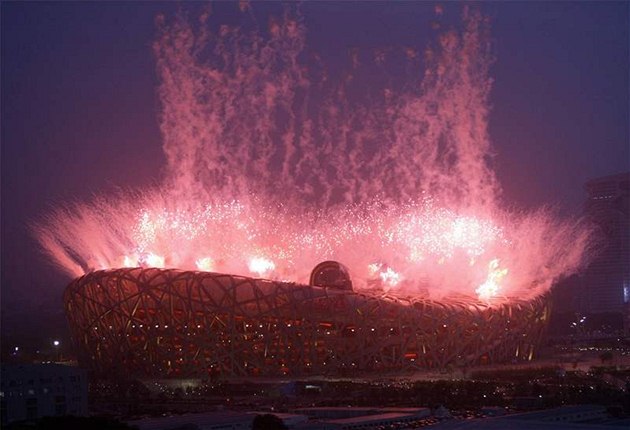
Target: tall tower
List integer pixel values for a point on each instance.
(607, 279)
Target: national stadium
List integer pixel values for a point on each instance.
(167, 323)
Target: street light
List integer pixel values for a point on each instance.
(56, 344)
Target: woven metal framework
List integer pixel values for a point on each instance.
(158, 323)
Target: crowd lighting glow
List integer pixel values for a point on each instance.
(129, 261)
(206, 264)
(272, 169)
(261, 266)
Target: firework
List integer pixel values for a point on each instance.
(271, 172)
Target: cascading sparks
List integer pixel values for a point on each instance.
(273, 167)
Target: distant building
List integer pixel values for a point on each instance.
(32, 391)
(606, 282)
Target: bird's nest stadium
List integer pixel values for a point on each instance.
(167, 323)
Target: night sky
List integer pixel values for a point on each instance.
(80, 108)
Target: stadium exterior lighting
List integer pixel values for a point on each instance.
(141, 322)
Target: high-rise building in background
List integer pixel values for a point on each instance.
(597, 299)
(606, 281)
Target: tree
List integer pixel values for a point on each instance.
(268, 422)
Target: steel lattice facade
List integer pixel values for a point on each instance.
(157, 323)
